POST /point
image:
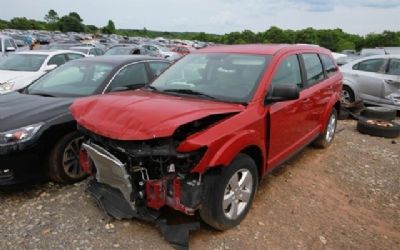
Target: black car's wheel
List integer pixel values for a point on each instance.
(347, 95)
(64, 164)
(325, 139)
(379, 113)
(228, 194)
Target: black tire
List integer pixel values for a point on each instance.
(326, 138)
(344, 114)
(348, 96)
(379, 113)
(57, 159)
(375, 130)
(216, 183)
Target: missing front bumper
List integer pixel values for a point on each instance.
(114, 204)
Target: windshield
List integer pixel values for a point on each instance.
(78, 78)
(22, 62)
(119, 51)
(224, 77)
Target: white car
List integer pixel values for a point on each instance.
(374, 80)
(163, 51)
(19, 69)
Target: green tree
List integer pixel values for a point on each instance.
(110, 28)
(51, 16)
(71, 22)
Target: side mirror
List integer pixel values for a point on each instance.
(282, 93)
(50, 67)
(10, 49)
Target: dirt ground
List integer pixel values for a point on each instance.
(344, 197)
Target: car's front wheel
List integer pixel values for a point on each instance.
(229, 193)
(64, 164)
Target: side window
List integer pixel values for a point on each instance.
(132, 77)
(288, 73)
(329, 65)
(99, 52)
(157, 68)
(313, 68)
(13, 44)
(373, 65)
(93, 52)
(57, 60)
(7, 43)
(394, 67)
(72, 56)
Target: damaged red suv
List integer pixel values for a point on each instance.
(202, 134)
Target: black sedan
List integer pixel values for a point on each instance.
(38, 137)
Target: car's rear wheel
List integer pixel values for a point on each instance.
(326, 138)
(228, 194)
(64, 164)
(347, 95)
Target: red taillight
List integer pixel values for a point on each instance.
(85, 161)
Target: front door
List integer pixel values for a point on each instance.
(286, 118)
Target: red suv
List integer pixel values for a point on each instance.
(202, 134)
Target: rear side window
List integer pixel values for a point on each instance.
(131, 77)
(329, 65)
(99, 52)
(288, 73)
(313, 67)
(372, 65)
(57, 60)
(72, 56)
(394, 67)
(157, 68)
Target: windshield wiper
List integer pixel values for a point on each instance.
(189, 92)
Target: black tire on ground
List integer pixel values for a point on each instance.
(348, 92)
(326, 138)
(375, 130)
(344, 114)
(64, 154)
(217, 186)
(379, 113)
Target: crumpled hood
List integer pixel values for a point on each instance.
(19, 78)
(143, 115)
(19, 110)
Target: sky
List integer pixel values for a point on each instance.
(221, 16)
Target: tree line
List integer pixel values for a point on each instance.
(333, 39)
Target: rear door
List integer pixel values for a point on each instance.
(369, 75)
(392, 81)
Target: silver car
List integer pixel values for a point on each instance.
(374, 80)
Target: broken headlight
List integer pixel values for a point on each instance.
(19, 135)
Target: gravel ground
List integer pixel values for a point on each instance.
(344, 197)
